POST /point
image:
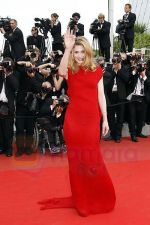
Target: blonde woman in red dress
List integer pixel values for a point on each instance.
(91, 186)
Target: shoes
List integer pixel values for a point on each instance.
(28, 151)
(134, 138)
(141, 135)
(8, 153)
(18, 154)
(2, 151)
(118, 140)
(109, 138)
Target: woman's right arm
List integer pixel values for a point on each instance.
(69, 40)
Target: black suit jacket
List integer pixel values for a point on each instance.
(122, 78)
(56, 33)
(80, 32)
(103, 34)
(16, 42)
(38, 41)
(129, 26)
(132, 84)
(11, 85)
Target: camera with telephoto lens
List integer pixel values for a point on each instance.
(43, 25)
(5, 24)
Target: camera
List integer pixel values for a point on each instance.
(32, 69)
(8, 65)
(121, 27)
(5, 23)
(94, 26)
(31, 53)
(72, 24)
(43, 25)
(140, 67)
(116, 60)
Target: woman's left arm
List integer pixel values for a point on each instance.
(102, 104)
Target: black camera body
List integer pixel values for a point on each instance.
(43, 25)
(94, 26)
(5, 23)
(140, 67)
(121, 27)
(72, 24)
(8, 65)
(32, 69)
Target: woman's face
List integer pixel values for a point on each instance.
(79, 54)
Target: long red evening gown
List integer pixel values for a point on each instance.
(91, 186)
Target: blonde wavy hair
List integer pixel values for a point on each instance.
(89, 62)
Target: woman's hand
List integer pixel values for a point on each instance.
(105, 127)
(69, 40)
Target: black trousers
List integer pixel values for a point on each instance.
(137, 112)
(25, 122)
(57, 46)
(6, 133)
(105, 52)
(127, 45)
(116, 116)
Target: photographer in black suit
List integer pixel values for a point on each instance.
(8, 87)
(138, 90)
(101, 29)
(55, 29)
(15, 39)
(75, 25)
(128, 25)
(116, 93)
(36, 40)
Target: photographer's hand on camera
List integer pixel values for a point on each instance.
(117, 67)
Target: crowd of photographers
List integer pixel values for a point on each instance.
(32, 93)
(31, 89)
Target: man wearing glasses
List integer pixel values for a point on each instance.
(15, 40)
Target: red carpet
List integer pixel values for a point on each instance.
(28, 179)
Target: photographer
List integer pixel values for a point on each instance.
(15, 39)
(55, 30)
(101, 29)
(128, 26)
(31, 83)
(36, 40)
(116, 92)
(8, 87)
(78, 28)
(138, 95)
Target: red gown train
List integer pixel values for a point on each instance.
(91, 186)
